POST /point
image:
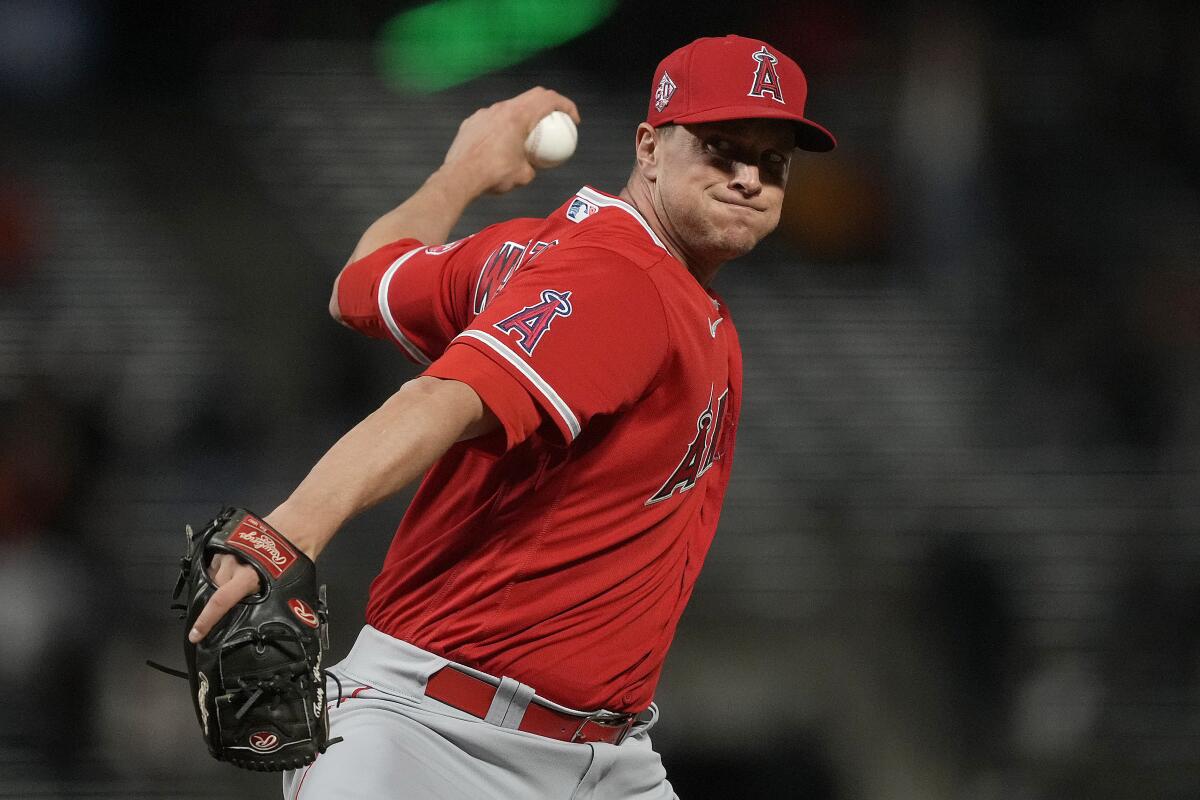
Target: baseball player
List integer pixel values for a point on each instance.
(575, 424)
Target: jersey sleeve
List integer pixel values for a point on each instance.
(578, 333)
(420, 298)
(396, 293)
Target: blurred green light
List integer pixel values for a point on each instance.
(450, 42)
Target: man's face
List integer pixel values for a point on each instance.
(719, 185)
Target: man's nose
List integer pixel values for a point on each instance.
(746, 179)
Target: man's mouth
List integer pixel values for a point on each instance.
(739, 204)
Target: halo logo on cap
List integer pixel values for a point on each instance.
(662, 95)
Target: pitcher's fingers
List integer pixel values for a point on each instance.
(241, 585)
(222, 568)
(540, 95)
(571, 110)
(563, 103)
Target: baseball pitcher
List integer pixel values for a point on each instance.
(574, 423)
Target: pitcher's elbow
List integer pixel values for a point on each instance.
(335, 309)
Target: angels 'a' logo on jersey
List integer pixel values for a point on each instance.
(531, 323)
(707, 446)
(766, 79)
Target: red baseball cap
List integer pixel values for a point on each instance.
(733, 77)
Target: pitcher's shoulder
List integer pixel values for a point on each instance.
(594, 219)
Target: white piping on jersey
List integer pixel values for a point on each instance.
(539, 383)
(386, 312)
(593, 196)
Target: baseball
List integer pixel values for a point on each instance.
(552, 141)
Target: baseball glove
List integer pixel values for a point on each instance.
(257, 681)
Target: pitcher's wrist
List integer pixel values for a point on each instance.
(309, 532)
(458, 184)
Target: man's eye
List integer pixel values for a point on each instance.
(721, 147)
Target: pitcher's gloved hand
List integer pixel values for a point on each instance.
(257, 679)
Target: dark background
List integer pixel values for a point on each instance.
(959, 556)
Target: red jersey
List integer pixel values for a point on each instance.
(561, 549)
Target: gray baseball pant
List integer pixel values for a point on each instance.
(398, 743)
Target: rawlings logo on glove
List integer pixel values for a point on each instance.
(255, 538)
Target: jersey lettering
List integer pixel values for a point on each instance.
(766, 80)
(531, 323)
(717, 448)
(497, 270)
(707, 446)
(685, 475)
(539, 248)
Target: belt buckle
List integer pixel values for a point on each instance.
(625, 729)
(603, 718)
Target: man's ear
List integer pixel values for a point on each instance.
(647, 143)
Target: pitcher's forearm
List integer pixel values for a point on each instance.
(429, 215)
(385, 452)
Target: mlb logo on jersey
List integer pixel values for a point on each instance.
(581, 209)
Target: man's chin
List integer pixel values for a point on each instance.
(719, 246)
(735, 246)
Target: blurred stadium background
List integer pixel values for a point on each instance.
(961, 554)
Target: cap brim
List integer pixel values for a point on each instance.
(809, 135)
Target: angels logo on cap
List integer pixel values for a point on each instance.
(766, 82)
(733, 77)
